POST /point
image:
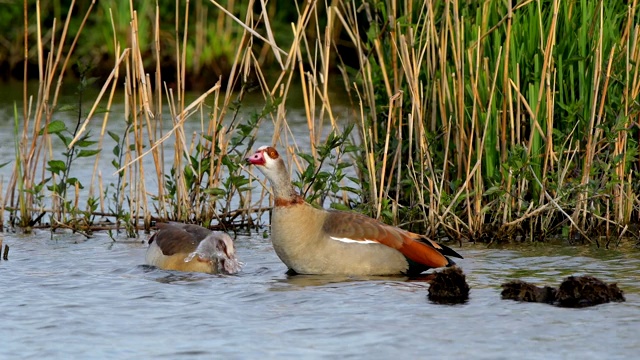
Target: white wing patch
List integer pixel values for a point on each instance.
(347, 240)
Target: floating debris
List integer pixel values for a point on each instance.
(449, 287)
(574, 292)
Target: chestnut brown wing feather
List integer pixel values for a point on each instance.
(416, 247)
(354, 226)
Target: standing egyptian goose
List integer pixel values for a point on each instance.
(316, 241)
(192, 248)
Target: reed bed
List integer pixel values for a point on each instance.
(485, 121)
(511, 121)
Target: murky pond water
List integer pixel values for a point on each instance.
(64, 296)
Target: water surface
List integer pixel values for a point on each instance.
(68, 297)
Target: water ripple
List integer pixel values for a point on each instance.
(95, 299)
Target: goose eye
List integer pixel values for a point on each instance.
(272, 153)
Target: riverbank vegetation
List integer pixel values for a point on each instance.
(485, 121)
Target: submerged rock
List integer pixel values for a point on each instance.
(574, 292)
(583, 291)
(449, 287)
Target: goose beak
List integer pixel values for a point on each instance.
(256, 159)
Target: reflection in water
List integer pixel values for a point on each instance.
(294, 281)
(171, 277)
(95, 299)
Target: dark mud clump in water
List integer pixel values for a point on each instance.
(449, 287)
(574, 292)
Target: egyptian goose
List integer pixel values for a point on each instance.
(317, 241)
(185, 247)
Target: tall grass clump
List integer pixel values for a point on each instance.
(38, 169)
(199, 173)
(479, 120)
(496, 120)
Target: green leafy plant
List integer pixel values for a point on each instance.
(324, 177)
(115, 192)
(61, 169)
